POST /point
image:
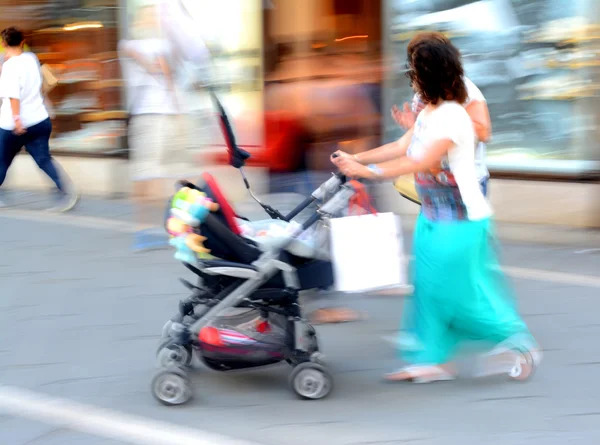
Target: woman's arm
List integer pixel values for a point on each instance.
(397, 167)
(405, 165)
(480, 115)
(386, 152)
(15, 106)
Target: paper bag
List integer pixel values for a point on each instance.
(367, 252)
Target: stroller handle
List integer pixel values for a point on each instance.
(327, 188)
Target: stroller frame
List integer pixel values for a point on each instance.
(244, 289)
(309, 378)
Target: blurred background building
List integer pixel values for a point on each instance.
(536, 62)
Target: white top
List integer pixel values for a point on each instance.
(451, 121)
(474, 94)
(183, 32)
(21, 79)
(148, 93)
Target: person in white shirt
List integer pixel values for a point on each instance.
(460, 292)
(24, 120)
(154, 135)
(475, 105)
(183, 33)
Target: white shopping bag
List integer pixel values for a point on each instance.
(367, 252)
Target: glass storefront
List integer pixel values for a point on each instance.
(77, 41)
(536, 62)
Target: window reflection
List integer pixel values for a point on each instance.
(536, 62)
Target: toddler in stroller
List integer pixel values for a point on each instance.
(244, 311)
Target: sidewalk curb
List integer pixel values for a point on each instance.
(532, 234)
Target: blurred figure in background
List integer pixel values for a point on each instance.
(183, 34)
(314, 106)
(342, 112)
(287, 136)
(24, 119)
(191, 61)
(475, 105)
(322, 101)
(152, 109)
(460, 292)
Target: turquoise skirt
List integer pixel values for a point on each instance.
(460, 293)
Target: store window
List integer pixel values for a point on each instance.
(77, 41)
(536, 62)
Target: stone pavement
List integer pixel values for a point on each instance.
(80, 317)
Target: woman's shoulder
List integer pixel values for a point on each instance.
(452, 108)
(473, 92)
(452, 115)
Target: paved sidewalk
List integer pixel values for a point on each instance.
(80, 317)
(120, 211)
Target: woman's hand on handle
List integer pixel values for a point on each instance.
(352, 168)
(341, 154)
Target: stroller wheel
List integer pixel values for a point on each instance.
(171, 387)
(174, 355)
(311, 381)
(165, 331)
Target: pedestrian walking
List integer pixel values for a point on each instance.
(476, 107)
(153, 134)
(460, 293)
(24, 119)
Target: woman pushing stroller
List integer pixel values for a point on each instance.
(460, 292)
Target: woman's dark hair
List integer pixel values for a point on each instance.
(435, 68)
(12, 36)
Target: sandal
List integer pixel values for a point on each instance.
(420, 374)
(334, 315)
(517, 364)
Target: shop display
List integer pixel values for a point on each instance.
(96, 137)
(76, 43)
(536, 62)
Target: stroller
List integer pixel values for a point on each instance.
(244, 310)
